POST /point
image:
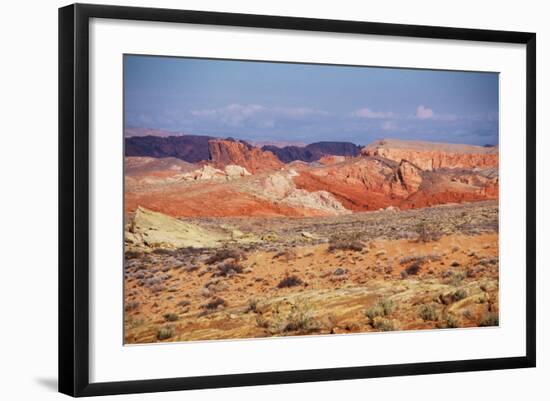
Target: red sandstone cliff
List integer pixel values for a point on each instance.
(225, 152)
(371, 183)
(432, 155)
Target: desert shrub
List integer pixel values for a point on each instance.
(428, 313)
(413, 269)
(425, 233)
(387, 305)
(489, 319)
(301, 319)
(488, 261)
(383, 307)
(421, 259)
(374, 312)
(184, 303)
(340, 271)
(163, 251)
(382, 324)
(459, 294)
(346, 242)
(452, 321)
(355, 246)
(214, 304)
(165, 332)
(190, 268)
(289, 281)
(262, 322)
(228, 269)
(468, 314)
(252, 305)
(457, 278)
(286, 255)
(171, 317)
(133, 254)
(223, 254)
(130, 306)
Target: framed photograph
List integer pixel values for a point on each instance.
(251, 199)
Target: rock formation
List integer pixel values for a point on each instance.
(149, 229)
(226, 152)
(432, 155)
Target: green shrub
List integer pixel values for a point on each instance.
(459, 294)
(228, 269)
(222, 255)
(489, 319)
(301, 319)
(428, 313)
(452, 321)
(382, 324)
(165, 332)
(171, 317)
(214, 304)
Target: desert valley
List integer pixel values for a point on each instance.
(225, 238)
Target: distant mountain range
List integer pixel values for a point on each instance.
(191, 148)
(313, 151)
(195, 148)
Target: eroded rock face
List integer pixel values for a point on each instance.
(433, 156)
(408, 176)
(149, 229)
(253, 159)
(233, 171)
(371, 183)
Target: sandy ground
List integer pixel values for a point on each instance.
(345, 279)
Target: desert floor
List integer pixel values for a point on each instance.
(372, 271)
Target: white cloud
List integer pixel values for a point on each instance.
(368, 113)
(237, 115)
(389, 126)
(424, 113)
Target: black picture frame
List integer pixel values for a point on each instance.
(74, 198)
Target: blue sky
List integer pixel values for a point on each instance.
(309, 103)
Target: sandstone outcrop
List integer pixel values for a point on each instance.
(371, 183)
(227, 152)
(149, 229)
(432, 155)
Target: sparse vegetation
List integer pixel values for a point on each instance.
(214, 304)
(228, 269)
(252, 305)
(262, 322)
(420, 259)
(193, 294)
(286, 255)
(489, 319)
(165, 333)
(301, 319)
(459, 295)
(379, 323)
(383, 307)
(339, 245)
(171, 317)
(131, 305)
(289, 281)
(223, 254)
(452, 321)
(413, 269)
(428, 313)
(425, 233)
